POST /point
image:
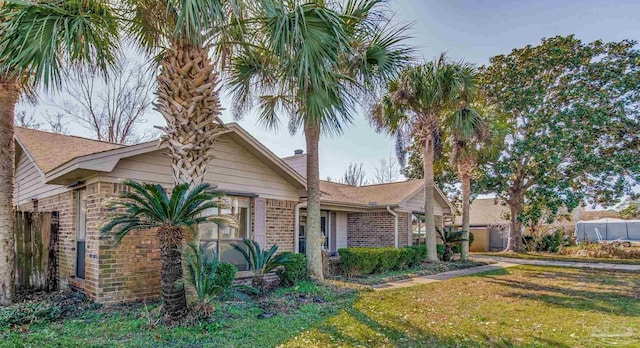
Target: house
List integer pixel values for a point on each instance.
(76, 177)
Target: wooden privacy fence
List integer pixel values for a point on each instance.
(37, 251)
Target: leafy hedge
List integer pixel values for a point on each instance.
(361, 261)
(293, 270)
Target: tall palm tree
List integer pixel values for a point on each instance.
(26, 63)
(147, 206)
(311, 60)
(179, 35)
(468, 135)
(414, 107)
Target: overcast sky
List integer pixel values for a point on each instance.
(469, 30)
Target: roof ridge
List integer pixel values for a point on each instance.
(391, 183)
(72, 136)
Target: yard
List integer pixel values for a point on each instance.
(523, 306)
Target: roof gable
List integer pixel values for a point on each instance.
(51, 150)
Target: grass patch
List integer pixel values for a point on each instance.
(422, 270)
(556, 257)
(524, 306)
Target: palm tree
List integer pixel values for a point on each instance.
(414, 107)
(468, 134)
(30, 61)
(311, 60)
(147, 206)
(178, 35)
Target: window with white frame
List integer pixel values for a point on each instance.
(221, 238)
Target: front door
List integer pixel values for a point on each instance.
(302, 231)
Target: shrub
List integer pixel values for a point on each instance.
(441, 250)
(387, 258)
(260, 261)
(410, 252)
(45, 307)
(294, 269)
(420, 254)
(358, 261)
(404, 258)
(601, 250)
(225, 275)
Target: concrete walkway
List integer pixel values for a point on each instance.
(575, 264)
(499, 263)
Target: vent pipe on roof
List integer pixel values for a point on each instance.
(298, 152)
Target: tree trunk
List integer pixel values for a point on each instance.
(189, 101)
(515, 227)
(171, 281)
(314, 234)
(429, 218)
(465, 179)
(8, 100)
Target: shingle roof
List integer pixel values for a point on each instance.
(484, 212)
(382, 194)
(50, 150)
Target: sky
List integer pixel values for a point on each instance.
(467, 30)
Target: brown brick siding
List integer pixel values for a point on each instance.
(279, 226)
(131, 270)
(375, 229)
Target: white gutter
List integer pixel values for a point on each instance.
(395, 225)
(296, 227)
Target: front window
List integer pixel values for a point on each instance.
(81, 231)
(222, 238)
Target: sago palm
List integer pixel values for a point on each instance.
(34, 41)
(179, 37)
(413, 109)
(143, 206)
(310, 60)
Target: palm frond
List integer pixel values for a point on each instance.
(38, 38)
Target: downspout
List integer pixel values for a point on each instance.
(395, 225)
(296, 226)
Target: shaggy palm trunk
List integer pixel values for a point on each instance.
(314, 235)
(465, 179)
(171, 282)
(8, 100)
(429, 218)
(189, 101)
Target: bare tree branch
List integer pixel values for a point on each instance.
(112, 109)
(386, 171)
(354, 175)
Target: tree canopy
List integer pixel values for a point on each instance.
(573, 127)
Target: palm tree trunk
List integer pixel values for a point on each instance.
(171, 281)
(189, 101)
(8, 100)
(465, 178)
(314, 235)
(429, 218)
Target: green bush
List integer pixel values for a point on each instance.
(358, 261)
(441, 249)
(404, 257)
(294, 269)
(420, 254)
(225, 275)
(387, 258)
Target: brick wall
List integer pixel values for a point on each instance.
(130, 270)
(279, 226)
(375, 229)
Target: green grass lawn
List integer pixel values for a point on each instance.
(524, 306)
(556, 257)
(422, 270)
